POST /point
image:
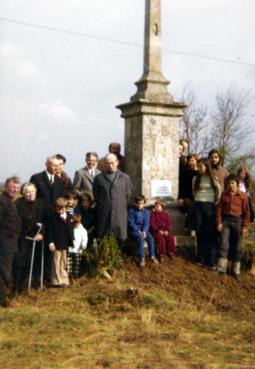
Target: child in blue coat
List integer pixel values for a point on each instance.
(138, 225)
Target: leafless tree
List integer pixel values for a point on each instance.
(230, 128)
(194, 124)
(225, 128)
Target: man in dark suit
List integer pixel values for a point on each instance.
(10, 226)
(49, 186)
(84, 178)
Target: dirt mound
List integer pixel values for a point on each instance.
(186, 281)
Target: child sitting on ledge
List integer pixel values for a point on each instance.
(138, 225)
(161, 229)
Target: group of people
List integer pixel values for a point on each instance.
(218, 208)
(64, 217)
(60, 216)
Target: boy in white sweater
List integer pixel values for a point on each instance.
(79, 244)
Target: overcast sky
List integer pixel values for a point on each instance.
(58, 90)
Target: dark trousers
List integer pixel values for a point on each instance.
(21, 266)
(205, 224)
(231, 239)
(6, 262)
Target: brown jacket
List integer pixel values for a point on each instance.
(234, 205)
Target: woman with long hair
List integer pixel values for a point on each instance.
(206, 192)
(245, 179)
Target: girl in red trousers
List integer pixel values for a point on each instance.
(161, 229)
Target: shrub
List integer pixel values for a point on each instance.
(103, 257)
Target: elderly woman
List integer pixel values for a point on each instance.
(31, 211)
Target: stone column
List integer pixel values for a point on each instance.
(152, 120)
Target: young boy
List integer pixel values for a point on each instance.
(60, 236)
(72, 202)
(232, 221)
(138, 224)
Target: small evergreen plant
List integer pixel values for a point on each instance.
(104, 257)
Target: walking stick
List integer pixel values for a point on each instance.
(31, 266)
(42, 266)
(39, 225)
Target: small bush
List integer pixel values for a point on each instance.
(104, 256)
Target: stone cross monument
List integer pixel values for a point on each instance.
(152, 121)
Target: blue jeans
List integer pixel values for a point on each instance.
(205, 224)
(140, 243)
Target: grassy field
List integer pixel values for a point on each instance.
(175, 315)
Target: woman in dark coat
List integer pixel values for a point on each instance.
(31, 211)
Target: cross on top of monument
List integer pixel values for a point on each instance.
(152, 86)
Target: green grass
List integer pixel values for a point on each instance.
(134, 322)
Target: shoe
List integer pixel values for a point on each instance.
(171, 256)
(142, 263)
(5, 304)
(63, 285)
(14, 294)
(236, 276)
(220, 273)
(154, 260)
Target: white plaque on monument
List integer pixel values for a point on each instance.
(161, 188)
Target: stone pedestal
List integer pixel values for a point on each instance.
(152, 120)
(151, 144)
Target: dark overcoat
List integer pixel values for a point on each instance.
(9, 235)
(111, 204)
(10, 225)
(30, 213)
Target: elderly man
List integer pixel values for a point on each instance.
(112, 189)
(49, 186)
(84, 178)
(10, 225)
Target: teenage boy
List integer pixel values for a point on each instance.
(138, 225)
(232, 221)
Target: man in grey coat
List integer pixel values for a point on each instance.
(112, 190)
(84, 177)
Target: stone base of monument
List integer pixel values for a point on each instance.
(185, 244)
